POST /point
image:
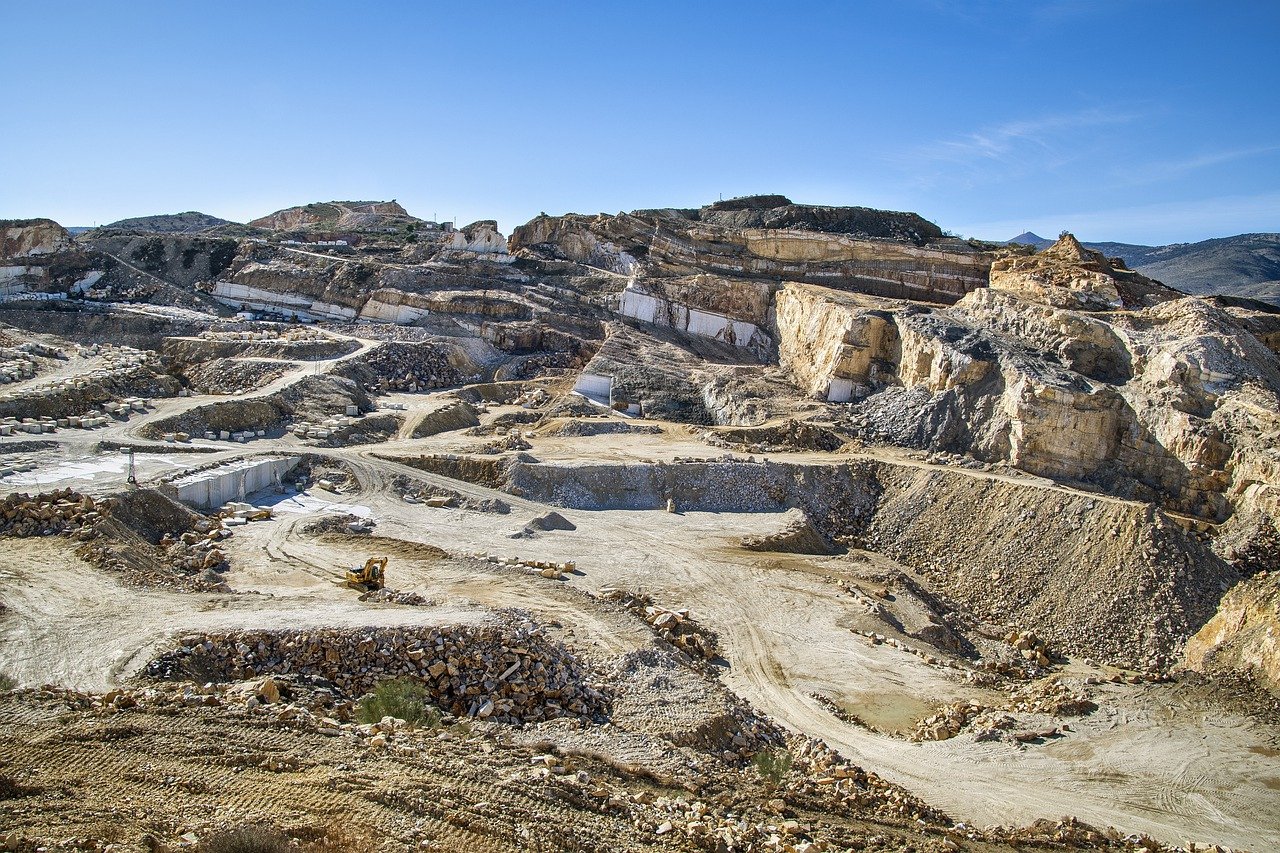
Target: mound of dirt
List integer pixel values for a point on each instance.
(312, 398)
(798, 537)
(1111, 580)
(774, 438)
(552, 521)
(578, 428)
(459, 415)
(155, 541)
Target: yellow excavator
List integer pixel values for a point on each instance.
(369, 578)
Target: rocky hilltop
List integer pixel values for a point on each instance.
(26, 238)
(336, 216)
(190, 222)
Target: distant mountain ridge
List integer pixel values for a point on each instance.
(1246, 265)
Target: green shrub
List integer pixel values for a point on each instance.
(6, 683)
(246, 839)
(773, 764)
(402, 698)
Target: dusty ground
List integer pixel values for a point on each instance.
(1152, 759)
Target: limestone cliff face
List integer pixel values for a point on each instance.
(1244, 635)
(1176, 403)
(826, 337)
(28, 238)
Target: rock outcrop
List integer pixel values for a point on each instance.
(1174, 402)
(27, 238)
(336, 216)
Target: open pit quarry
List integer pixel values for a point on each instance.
(757, 527)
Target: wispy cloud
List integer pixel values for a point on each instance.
(1008, 149)
(1001, 142)
(1163, 170)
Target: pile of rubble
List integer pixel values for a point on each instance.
(948, 722)
(417, 492)
(544, 568)
(679, 626)
(409, 367)
(508, 672)
(580, 428)
(395, 596)
(194, 552)
(1031, 646)
(1050, 698)
(233, 375)
(513, 440)
(798, 537)
(61, 512)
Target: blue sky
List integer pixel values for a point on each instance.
(1147, 122)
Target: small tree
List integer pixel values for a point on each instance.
(773, 765)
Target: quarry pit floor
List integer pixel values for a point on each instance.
(1151, 759)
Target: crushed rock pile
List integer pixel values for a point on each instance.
(1113, 581)
(459, 415)
(660, 695)
(153, 540)
(798, 537)
(394, 596)
(148, 538)
(415, 491)
(311, 399)
(1048, 699)
(508, 672)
